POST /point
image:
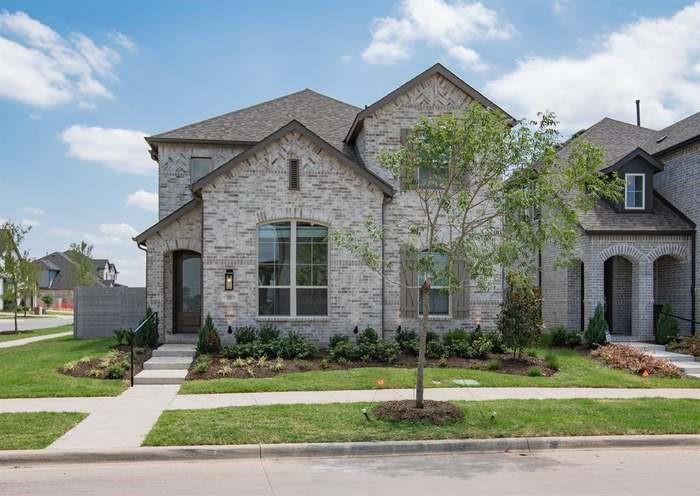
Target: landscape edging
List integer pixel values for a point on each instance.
(310, 450)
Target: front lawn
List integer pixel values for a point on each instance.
(34, 430)
(11, 335)
(345, 422)
(30, 371)
(575, 371)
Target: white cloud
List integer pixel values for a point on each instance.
(123, 40)
(118, 231)
(106, 235)
(143, 199)
(33, 210)
(449, 25)
(652, 59)
(30, 223)
(121, 149)
(40, 67)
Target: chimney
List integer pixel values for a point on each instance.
(639, 122)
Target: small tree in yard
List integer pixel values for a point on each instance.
(16, 267)
(47, 300)
(594, 334)
(81, 254)
(484, 192)
(208, 340)
(520, 319)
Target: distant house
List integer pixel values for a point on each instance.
(59, 274)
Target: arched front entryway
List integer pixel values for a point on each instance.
(619, 297)
(187, 291)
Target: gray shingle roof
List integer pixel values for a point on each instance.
(674, 134)
(663, 218)
(327, 117)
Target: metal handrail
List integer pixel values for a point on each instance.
(133, 338)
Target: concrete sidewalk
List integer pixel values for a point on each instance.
(199, 401)
(121, 422)
(8, 325)
(22, 341)
(84, 405)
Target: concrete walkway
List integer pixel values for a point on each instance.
(121, 422)
(8, 325)
(84, 405)
(199, 401)
(20, 342)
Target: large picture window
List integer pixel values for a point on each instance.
(292, 269)
(439, 291)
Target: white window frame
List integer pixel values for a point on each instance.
(644, 200)
(293, 273)
(432, 315)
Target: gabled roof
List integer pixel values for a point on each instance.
(167, 220)
(675, 135)
(420, 78)
(297, 126)
(325, 116)
(66, 267)
(636, 153)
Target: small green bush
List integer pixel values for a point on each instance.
(494, 364)
(268, 333)
(407, 341)
(208, 340)
(666, 326)
(597, 327)
(296, 346)
(337, 338)
(202, 364)
(552, 361)
(520, 320)
(123, 337)
(245, 334)
(534, 372)
(117, 371)
(564, 338)
(435, 349)
(481, 347)
(368, 337)
(344, 351)
(454, 335)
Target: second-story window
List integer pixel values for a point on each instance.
(634, 191)
(200, 167)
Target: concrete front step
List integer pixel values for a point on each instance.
(175, 350)
(646, 347)
(672, 357)
(168, 363)
(160, 377)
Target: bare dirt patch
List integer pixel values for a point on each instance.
(434, 412)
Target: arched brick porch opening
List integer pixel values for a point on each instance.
(619, 292)
(671, 286)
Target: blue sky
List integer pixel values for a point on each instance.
(81, 82)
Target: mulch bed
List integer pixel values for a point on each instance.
(221, 367)
(434, 412)
(83, 368)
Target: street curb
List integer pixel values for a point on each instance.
(321, 450)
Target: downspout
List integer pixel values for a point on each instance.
(582, 300)
(383, 300)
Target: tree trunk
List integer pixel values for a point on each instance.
(422, 341)
(15, 318)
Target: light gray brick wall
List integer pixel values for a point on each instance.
(256, 191)
(174, 171)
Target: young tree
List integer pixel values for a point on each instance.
(16, 267)
(81, 254)
(488, 193)
(47, 299)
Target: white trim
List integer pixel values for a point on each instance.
(643, 176)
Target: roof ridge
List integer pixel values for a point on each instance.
(332, 98)
(626, 124)
(250, 107)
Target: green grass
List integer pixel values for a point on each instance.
(30, 371)
(34, 430)
(575, 371)
(345, 422)
(5, 336)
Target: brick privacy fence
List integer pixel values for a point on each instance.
(99, 311)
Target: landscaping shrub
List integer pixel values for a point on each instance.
(147, 336)
(564, 338)
(268, 333)
(202, 364)
(534, 372)
(666, 326)
(688, 344)
(245, 334)
(628, 358)
(431, 336)
(481, 347)
(344, 351)
(453, 336)
(337, 338)
(597, 327)
(551, 361)
(367, 337)
(435, 349)
(294, 345)
(407, 341)
(117, 370)
(381, 351)
(208, 338)
(494, 364)
(520, 321)
(123, 337)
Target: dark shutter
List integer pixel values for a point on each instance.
(403, 137)
(460, 298)
(409, 289)
(294, 174)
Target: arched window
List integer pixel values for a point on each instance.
(292, 269)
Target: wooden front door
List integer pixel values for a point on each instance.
(187, 291)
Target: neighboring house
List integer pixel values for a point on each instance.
(59, 273)
(247, 201)
(638, 255)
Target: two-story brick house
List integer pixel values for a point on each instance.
(247, 201)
